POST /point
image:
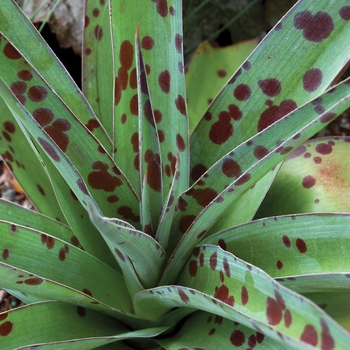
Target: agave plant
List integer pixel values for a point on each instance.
(144, 237)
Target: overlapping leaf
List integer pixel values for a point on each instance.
(217, 282)
(240, 169)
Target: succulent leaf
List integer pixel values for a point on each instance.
(314, 178)
(74, 328)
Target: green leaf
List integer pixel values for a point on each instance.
(56, 325)
(130, 244)
(217, 282)
(18, 215)
(88, 168)
(161, 41)
(22, 160)
(214, 64)
(95, 285)
(150, 162)
(302, 244)
(41, 57)
(314, 178)
(240, 169)
(292, 65)
(211, 332)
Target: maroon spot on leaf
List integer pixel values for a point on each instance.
(153, 170)
(327, 340)
(307, 155)
(243, 179)
(43, 116)
(101, 179)
(213, 261)
(184, 297)
(93, 124)
(123, 118)
(301, 245)
(81, 311)
(317, 160)
(244, 295)
(231, 168)
(18, 88)
(25, 75)
(9, 127)
(157, 115)
(193, 268)
(212, 331)
(172, 11)
(164, 81)
(345, 13)
(5, 254)
(37, 93)
(135, 142)
(298, 152)
(123, 77)
(86, 21)
(197, 171)
(287, 318)
(319, 110)
(178, 43)
(113, 199)
(324, 148)
(127, 213)
(222, 244)
(280, 299)
(86, 291)
(235, 76)
(234, 112)
(4, 315)
(82, 186)
(309, 335)
(62, 254)
(270, 87)
(203, 196)
(260, 152)
(237, 338)
(6, 328)
(162, 7)
(312, 79)
(222, 293)
(201, 260)
(308, 181)
(279, 26)
(180, 142)
(11, 53)
(50, 150)
(279, 264)
(126, 54)
(133, 79)
(181, 204)
(273, 311)
(33, 281)
(147, 42)
(95, 12)
(181, 104)
(41, 190)
(185, 222)
(119, 254)
(161, 136)
(134, 108)
(222, 73)
(315, 27)
(98, 32)
(117, 91)
(274, 113)
(13, 228)
(327, 117)
(208, 116)
(57, 133)
(242, 92)
(246, 65)
(222, 130)
(226, 264)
